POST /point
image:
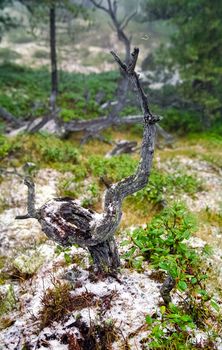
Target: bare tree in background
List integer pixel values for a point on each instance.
(118, 25)
(53, 57)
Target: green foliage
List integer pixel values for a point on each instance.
(44, 149)
(91, 195)
(195, 49)
(164, 334)
(5, 146)
(115, 168)
(162, 244)
(53, 149)
(161, 184)
(21, 86)
(181, 121)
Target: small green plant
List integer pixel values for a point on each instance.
(171, 330)
(163, 244)
(66, 253)
(5, 146)
(162, 241)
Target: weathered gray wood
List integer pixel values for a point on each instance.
(66, 222)
(166, 288)
(123, 146)
(9, 118)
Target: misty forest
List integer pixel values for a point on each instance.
(110, 174)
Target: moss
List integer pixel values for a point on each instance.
(3, 275)
(28, 263)
(7, 299)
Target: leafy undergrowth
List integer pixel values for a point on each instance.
(55, 301)
(78, 96)
(163, 244)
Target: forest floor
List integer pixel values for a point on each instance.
(36, 274)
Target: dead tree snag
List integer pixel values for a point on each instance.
(66, 222)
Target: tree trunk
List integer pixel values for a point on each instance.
(53, 56)
(105, 255)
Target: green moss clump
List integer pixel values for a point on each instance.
(7, 299)
(28, 263)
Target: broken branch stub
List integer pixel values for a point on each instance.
(66, 222)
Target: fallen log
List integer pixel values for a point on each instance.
(121, 147)
(9, 118)
(66, 222)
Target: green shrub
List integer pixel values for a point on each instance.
(53, 149)
(115, 168)
(162, 185)
(21, 86)
(41, 54)
(5, 146)
(182, 121)
(163, 244)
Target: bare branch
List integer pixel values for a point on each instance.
(137, 181)
(32, 213)
(115, 6)
(122, 65)
(99, 6)
(126, 20)
(8, 117)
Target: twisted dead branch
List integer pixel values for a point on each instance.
(66, 222)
